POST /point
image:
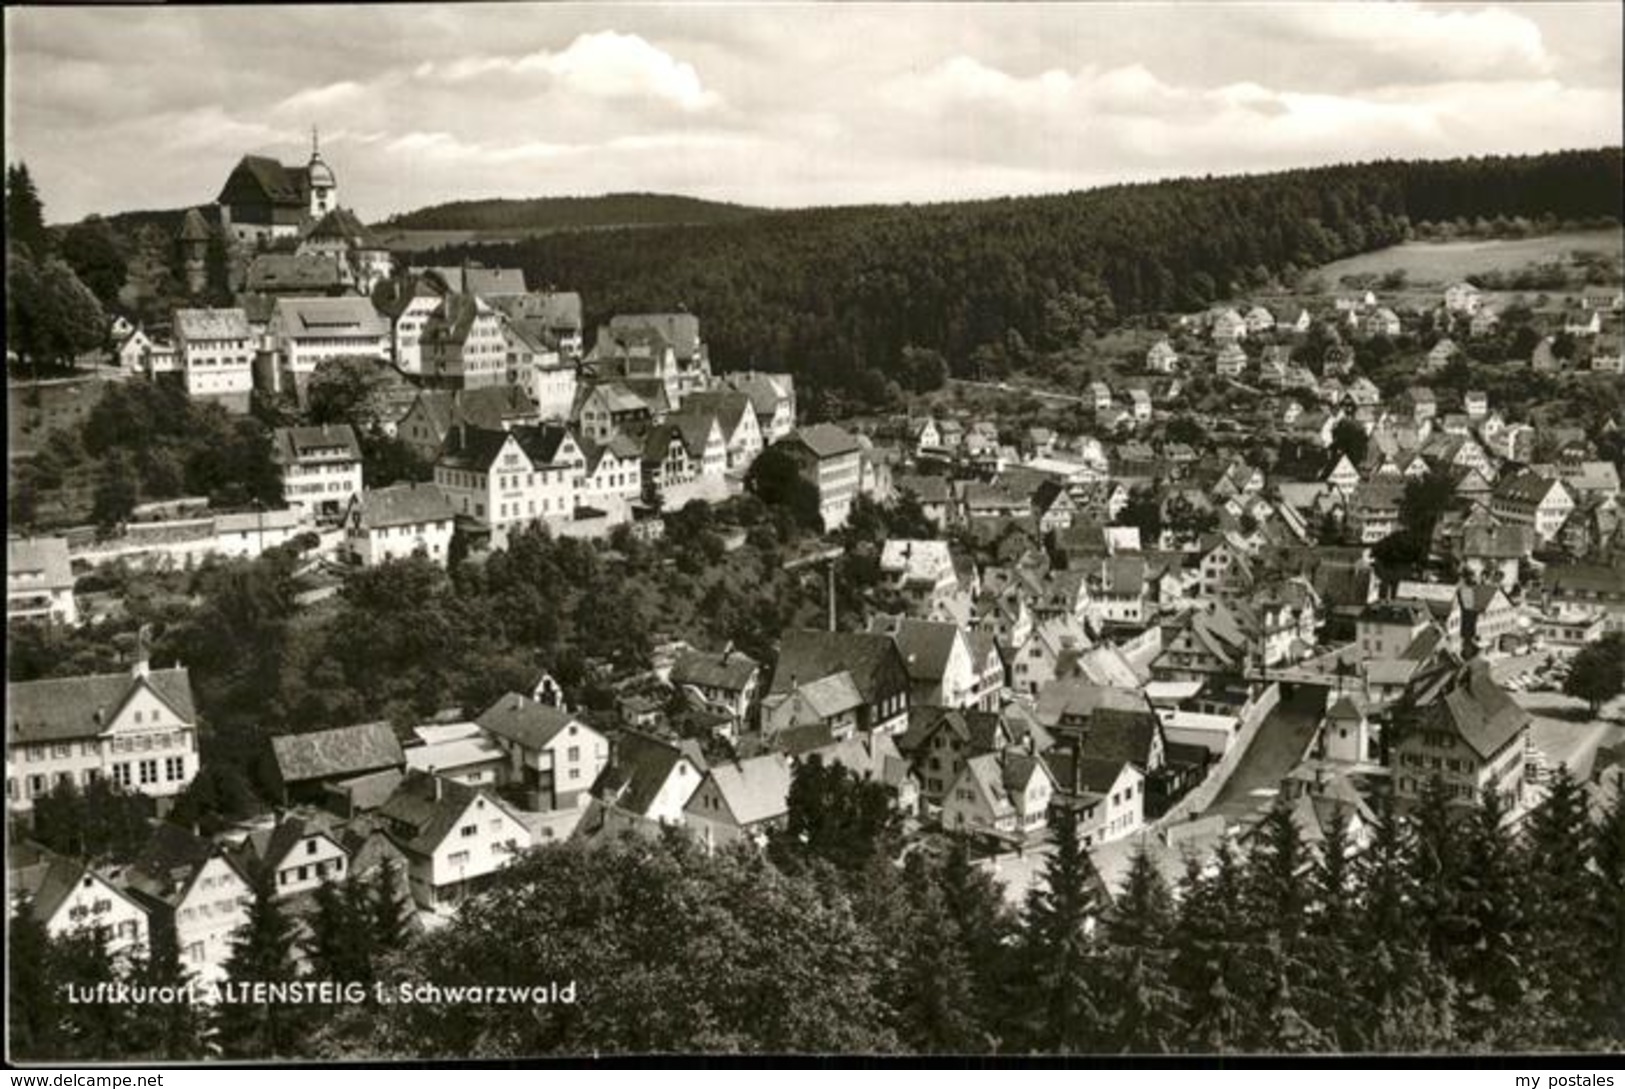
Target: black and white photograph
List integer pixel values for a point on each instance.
(923, 533)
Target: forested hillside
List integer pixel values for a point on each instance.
(570, 213)
(836, 294)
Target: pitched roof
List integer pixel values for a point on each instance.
(342, 224)
(825, 440)
(755, 790)
(1476, 708)
(925, 644)
(349, 316)
(474, 447)
(211, 324)
(296, 272)
(425, 808)
(766, 391)
(453, 319)
(194, 228)
(525, 721)
(63, 708)
(293, 444)
(806, 655)
(344, 750)
(640, 767)
(729, 670)
(681, 331)
(403, 505)
(391, 297)
(728, 406)
(45, 558)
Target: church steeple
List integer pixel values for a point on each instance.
(323, 186)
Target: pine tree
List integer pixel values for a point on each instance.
(936, 993)
(976, 905)
(262, 951)
(391, 908)
(1059, 915)
(1435, 873)
(338, 944)
(25, 214)
(34, 1008)
(164, 1031)
(1141, 1005)
(1330, 954)
(1557, 889)
(1606, 922)
(94, 1029)
(1493, 933)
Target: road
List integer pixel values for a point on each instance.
(1006, 387)
(1279, 746)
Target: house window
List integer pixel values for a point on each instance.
(470, 830)
(457, 858)
(304, 873)
(310, 846)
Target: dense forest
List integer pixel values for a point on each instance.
(836, 295)
(541, 214)
(1450, 932)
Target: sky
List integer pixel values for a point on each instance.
(783, 105)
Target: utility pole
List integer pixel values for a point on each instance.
(832, 593)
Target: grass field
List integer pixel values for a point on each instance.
(1446, 262)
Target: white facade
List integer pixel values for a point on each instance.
(143, 743)
(95, 904)
(213, 907)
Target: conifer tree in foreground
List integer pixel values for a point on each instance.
(1057, 950)
(262, 951)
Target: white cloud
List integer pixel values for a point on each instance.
(1487, 43)
(605, 64)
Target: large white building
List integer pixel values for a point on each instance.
(321, 467)
(39, 581)
(396, 522)
(214, 350)
(308, 332)
(137, 730)
(509, 479)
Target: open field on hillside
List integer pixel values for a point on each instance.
(1446, 262)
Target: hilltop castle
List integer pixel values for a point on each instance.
(280, 228)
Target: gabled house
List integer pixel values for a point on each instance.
(1529, 499)
(435, 413)
(736, 417)
(946, 667)
(726, 681)
(647, 781)
(1231, 360)
(1259, 320)
(874, 667)
(137, 730)
(1462, 298)
(1440, 355)
(321, 467)
(1161, 358)
(72, 898)
(401, 520)
(772, 397)
(304, 764)
(296, 854)
(1108, 795)
(740, 801)
(554, 756)
(1005, 794)
(191, 887)
(1459, 725)
(455, 837)
(39, 581)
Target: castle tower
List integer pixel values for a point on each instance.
(194, 243)
(324, 188)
